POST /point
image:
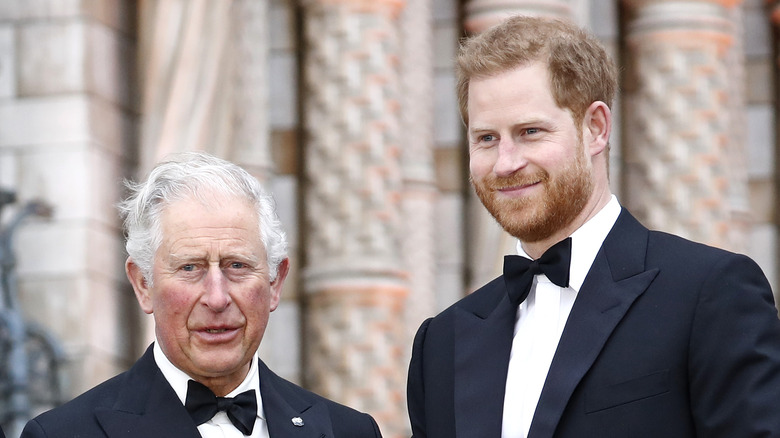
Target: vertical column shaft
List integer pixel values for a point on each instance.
(419, 184)
(679, 117)
(355, 280)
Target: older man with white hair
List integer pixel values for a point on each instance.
(207, 258)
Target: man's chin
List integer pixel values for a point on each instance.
(532, 226)
(528, 235)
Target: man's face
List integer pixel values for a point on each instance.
(211, 296)
(527, 160)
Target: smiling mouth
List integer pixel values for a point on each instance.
(518, 186)
(222, 330)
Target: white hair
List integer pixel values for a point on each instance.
(194, 175)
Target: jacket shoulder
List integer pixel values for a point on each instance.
(77, 415)
(481, 302)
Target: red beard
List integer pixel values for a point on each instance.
(539, 216)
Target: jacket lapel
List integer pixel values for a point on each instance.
(147, 406)
(616, 279)
(287, 413)
(483, 330)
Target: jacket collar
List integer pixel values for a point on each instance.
(147, 406)
(484, 326)
(146, 403)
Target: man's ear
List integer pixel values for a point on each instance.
(140, 286)
(597, 126)
(276, 285)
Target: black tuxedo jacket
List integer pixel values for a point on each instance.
(140, 403)
(667, 338)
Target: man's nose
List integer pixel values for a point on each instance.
(510, 158)
(216, 296)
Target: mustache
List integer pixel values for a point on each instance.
(497, 183)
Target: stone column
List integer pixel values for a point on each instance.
(419, 180)
(487, 241)
(355, 281)
(679, 118)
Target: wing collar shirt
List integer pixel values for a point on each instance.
(219, 426)
(540, 321)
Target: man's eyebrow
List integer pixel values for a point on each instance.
(250, 257)
(479, 130)
(179, 258)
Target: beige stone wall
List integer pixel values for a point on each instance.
(67, 122)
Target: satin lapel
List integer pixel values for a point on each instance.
(616, 279)
(284, 408)
(483, 341)
(147, 406)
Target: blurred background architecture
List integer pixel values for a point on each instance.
(346, 111)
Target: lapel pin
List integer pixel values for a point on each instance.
(297, 421)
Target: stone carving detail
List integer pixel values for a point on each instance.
(679, 119)
(354, 352)
(355, 281)
(352, 153)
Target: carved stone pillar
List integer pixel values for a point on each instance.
(679, 117)
(355, 281)
(419, 180)
(488, 242)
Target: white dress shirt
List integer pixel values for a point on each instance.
(219, 426)
(540, 322)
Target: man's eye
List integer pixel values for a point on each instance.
(531, 131)
(237, 265)
(488, 137)
(188, 268)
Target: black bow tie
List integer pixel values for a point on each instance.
(519, 271)
(202, 405)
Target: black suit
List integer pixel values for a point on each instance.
(140, 403)
(667, 338)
